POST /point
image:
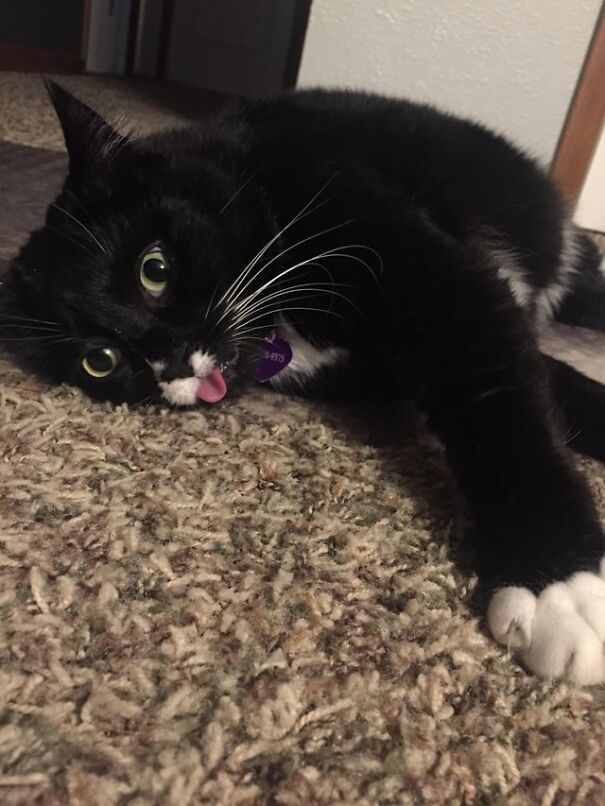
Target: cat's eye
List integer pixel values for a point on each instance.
(100, 362)
(154, 271)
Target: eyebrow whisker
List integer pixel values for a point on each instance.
(80, 224)
(27, 319)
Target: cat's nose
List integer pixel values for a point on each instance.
(178, 366)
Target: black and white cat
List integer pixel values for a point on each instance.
(345, 245)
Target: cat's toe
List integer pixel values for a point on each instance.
(561, 633)
(510, 616)
(564, 645)
(588, 594)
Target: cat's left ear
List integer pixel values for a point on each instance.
(91, 142)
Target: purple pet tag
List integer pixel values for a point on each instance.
(277, 354)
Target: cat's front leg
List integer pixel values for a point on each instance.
(539, 545)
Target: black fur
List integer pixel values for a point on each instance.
(413, 207)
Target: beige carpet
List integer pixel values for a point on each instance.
(254, 604)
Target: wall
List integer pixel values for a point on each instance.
(511, 64)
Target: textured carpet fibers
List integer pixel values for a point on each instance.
(264, 602)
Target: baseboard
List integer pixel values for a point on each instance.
(32, 60)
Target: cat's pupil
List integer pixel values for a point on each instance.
(155, 270)
(101, 360)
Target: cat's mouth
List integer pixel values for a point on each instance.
(207, 383)
(213, 387)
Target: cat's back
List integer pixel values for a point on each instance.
(401, 139)
(467, 178)
(456, 168)
(372, 125)
(415, 144)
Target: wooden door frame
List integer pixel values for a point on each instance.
(297, 43)
(585, 119)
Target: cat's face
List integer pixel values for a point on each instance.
(131, 291)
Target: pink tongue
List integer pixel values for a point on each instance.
(212, 388)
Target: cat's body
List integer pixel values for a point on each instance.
(399, 253)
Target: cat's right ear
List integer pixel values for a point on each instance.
(90, 141)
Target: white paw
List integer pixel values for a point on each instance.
(560, 633)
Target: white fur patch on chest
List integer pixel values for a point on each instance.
(307, 359)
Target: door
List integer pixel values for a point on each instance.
(234, 46)
(580, 136)
(43, 36)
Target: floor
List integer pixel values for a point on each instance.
(261, 603)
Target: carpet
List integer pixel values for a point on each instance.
(265, 602)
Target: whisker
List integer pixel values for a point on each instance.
(270, 312)
(27, 319)
(308, 262)
(235, 302)
(324, 287)
(236, 283)
(84, 209)
(263, 329)
(79, 223)
(4, 325)
(236, 287)
(238, 191)
(73, 240)
(211, 301)
(36, 338)
(358, 259)
(290, 248)
(289, 270)
(263, 302)
(239, 338)
(80, 204)
(60, 341)
(330, 253)
(282, 310)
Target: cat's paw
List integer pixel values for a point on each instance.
(559, 634)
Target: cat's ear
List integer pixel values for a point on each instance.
(91, 142)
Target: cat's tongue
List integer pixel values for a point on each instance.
(212, 388)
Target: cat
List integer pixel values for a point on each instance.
(352, 246)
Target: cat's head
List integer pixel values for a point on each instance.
(130, 290)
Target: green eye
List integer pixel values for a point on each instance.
(154, 272)
(100, 362)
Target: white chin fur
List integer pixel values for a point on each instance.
(559, 634)
(181, 392)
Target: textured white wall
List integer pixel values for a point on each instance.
(511, 64)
